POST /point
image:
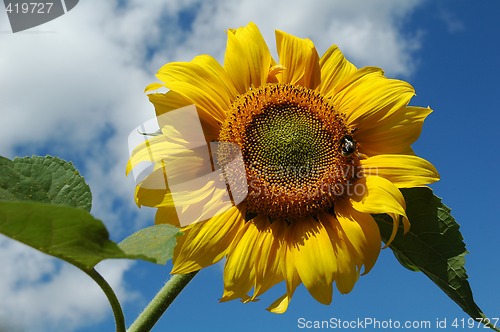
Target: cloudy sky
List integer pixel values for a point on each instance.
(74, 88)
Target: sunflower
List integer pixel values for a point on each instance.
(324, 145)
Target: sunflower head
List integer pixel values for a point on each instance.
(323, 144)
(298, 150)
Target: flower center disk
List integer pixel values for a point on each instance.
(290, 139)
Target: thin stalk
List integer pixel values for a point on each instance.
(155, 309)
(113, 300)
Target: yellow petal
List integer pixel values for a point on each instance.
(193, 201)
(247, 60)
(154, 86)
(402, 170)
(362, 232)
(395, 134)
(154, 150)
(292, 281)
(284, 233)
(334, 70)
(254, 260)
(171, 161)
(203, 81)
(280, 305)
(275, 72)
(205, 243)
(374, 194)
(345, 257)
(166, 102)
(200, 199)
(167, 215)
(153, 191)
(240, 268)
(311, 249)
(170, 146)
(300, 59)
(268, 271)
(370, 97)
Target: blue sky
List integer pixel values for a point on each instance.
(74, 88)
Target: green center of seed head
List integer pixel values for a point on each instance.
(296, 149)
(290, 141)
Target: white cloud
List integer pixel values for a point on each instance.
(75, 86)
(369, 32)
(41, 294)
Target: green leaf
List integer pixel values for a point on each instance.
(156, 242)
(71, 234)
(43, 179)
(45, 203)
(41, 201)
(433, 245)
(75, 236)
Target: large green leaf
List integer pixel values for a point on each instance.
(156, 241)
(44, 203)
(69, 233)
(433, 246)
(43, 179)
(75, 236)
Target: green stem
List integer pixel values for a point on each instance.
(155, 309)
(113, 300)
